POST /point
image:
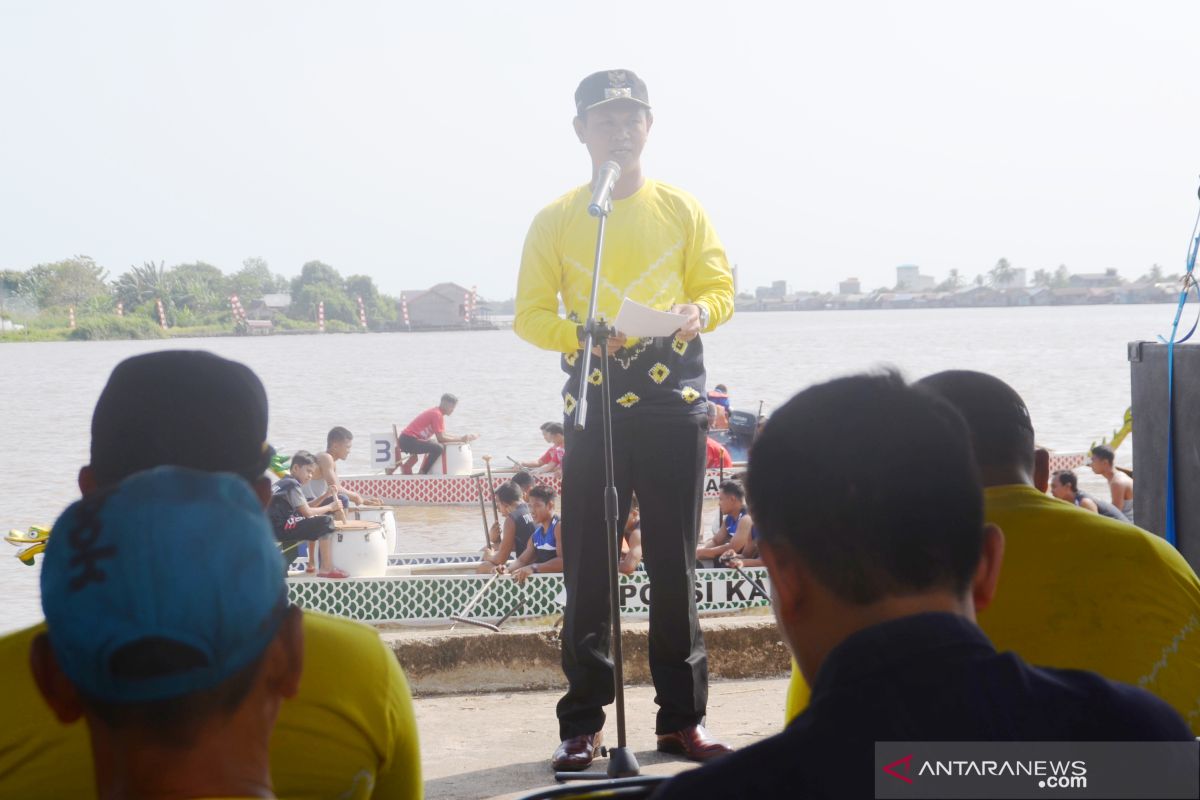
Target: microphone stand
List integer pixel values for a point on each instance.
(621, 761)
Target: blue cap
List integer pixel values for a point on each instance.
(169, 555)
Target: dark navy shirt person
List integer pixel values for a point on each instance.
(878, 566)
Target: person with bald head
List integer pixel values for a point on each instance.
(1079, 591)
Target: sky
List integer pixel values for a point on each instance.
(414, 142)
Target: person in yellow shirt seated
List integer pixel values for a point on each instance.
(1079, 591)
(349, 732)
(180, 681)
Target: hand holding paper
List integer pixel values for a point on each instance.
(635, 319)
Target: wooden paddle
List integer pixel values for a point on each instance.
(462, 615)
(487, 461)
(487, 537)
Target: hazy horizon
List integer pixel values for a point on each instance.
(416, 143)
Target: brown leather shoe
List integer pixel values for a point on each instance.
(576, 753)
(692, 742)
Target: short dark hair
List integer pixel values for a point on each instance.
(996, 416)
(553, 428)
(544, 493)
(1067, 478)
(302, 458)
(720, 387)
(873, 484)
(508, 492)
(448, 399)
(733, 489)
(1104, 453)
(338, 434)
(523, 478)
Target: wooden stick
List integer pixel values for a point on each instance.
(495, 628)
(487, 536)
(487, 460)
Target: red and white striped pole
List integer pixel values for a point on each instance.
(362, 313)
(71, 316)
(404, 311)
(162, 315)
(474, 301)
(321, 316)
(120, 309)
(467, 307)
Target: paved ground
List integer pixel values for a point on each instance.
(499, 745)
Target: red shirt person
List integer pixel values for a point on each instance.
(427, 433)
(551, 460)
(717, 455)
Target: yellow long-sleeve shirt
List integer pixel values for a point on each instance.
(659, 250)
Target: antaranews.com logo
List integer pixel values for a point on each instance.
(1038, 770)
(1048, 774)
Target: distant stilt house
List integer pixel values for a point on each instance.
(446, 306)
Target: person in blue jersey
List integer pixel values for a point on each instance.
(543, 552)
(731, 501)
(878, 566)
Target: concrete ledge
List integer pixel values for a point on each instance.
(473, 660)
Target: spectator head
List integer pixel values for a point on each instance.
(1065, 485)
(448, 403)
(167, 616)
(184, 408)
(302, 465)
(555, 431)
(852, 540)
(1102, 459)
(998, 420)
(524, 480)
(541, 503)
(731, 497)
(338, 442)
(508, 494)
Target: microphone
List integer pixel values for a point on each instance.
(601, 203)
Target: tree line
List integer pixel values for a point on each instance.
(193, 295)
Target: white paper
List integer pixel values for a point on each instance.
(635, 319)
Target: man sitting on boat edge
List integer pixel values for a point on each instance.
(426, 434)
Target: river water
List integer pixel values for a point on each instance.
(1068, 363)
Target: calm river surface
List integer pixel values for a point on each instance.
(1068, 363)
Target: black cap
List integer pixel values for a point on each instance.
(605, 87)
(183, 408)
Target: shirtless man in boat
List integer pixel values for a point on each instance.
(427, 434)
(1120, 484)
(325, 477)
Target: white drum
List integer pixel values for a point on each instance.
(458, 460)
(384, 515)
(360, 548)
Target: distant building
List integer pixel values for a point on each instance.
(277, 302)
(910, 279)
(850, 286)
(444, 306)
(1095, 280)
(777, 291)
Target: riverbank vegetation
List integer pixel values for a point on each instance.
(75, 299)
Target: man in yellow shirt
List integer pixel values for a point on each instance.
(1078, 591)
(349, 732)
(180, 680)
(659, 250)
